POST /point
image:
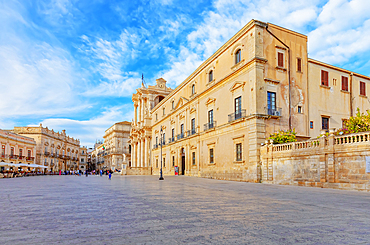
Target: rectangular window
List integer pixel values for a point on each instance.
(299, 64)
(311, 124)
(344, 83)
(193, 126)
(238, 106)
(299, 109)
(156, 161)
(173, 133)
(12, 151)
(20, 152)
(362, 88)
(280, 59)
(3, 150)
(239, 151)
(182, 129)
(156, 140)
(325, 123)
(164, 111)
(156, 117)
(193, 157)
(271, 103)
(210, 117)
(164, 162)
(211, 157)
(173, 161)
(324, 78)
(82, 160)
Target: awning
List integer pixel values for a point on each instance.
(3, 164)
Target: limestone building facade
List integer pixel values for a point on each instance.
(83, 163)
(117, 149)
(17, 149)
(260, 81)
(145, 100)
(57, 151)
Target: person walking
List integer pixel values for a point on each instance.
(86, 173)
(110, 175)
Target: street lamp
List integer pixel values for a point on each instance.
(161, 176)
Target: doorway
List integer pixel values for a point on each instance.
(182, 161)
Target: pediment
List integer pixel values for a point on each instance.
(193, 147)
(192, 110)
(181, 101)
(210, 101)
(236, 85)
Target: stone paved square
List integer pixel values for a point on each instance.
(178, 210)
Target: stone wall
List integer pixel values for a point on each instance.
(329, 162)
(139, 171)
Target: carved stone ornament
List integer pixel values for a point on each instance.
(236, 85)
(210, 101)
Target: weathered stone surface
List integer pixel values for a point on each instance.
(178, 210)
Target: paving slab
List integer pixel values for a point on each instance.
(178, 210)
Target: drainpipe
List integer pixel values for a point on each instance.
(350, 94)
(290, 116)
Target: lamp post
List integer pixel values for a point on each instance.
(161, 175)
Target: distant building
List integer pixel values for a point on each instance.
(55, 150)
(117, 152)
(17, 149)
(83, 164)
(260, 81)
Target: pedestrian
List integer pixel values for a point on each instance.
(110, 175)
(101, 173)
(86, 173)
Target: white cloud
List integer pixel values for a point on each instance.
(36, 79)
(338, 30)
(88, 131)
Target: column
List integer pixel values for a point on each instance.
(145, 152)
(135, 106)
(138, 153)
(139, 110)
(142, 153)
(133, 156)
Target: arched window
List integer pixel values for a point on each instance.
(193, 89)
(210, 76)
(238, 56)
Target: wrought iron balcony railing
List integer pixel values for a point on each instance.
(237, 115)
(172, 139)
(180, 136)
(273, 112)
(191, 132)
(210, 125)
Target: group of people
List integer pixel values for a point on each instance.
(13, 173)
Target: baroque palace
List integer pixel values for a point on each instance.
(260, 81)
(54, 150)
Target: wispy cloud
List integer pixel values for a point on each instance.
(88, 131)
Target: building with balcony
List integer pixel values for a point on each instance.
(83, 160)
(57, 151)
(117, 148)
(97, 156)
(260, 81)
(17, 149)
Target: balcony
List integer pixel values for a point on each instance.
(30, 158)
(155, 146)
(180, 136)
(45, 164)
(237, 115)
(21, 157)
(276, 112)
(210, 125)
(191, 132)
(170, 140)
(51, 164)
(3, 156)
(13, 157)
(46, 153)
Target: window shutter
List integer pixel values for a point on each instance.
(280, 59)
(325, 78)
(345, 83)
(299, 65)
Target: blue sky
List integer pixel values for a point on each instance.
(74, 64)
